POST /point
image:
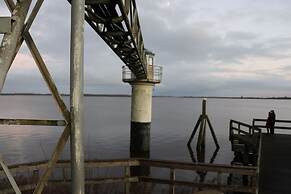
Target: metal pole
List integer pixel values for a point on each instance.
(76, 95)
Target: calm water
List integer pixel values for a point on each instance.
(107, 121)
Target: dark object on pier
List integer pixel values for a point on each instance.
(203, 119)
(271, 122)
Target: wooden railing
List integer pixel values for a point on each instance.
(173, 168)
(261, 124)
(240, 128)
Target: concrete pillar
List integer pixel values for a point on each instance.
(141, 117)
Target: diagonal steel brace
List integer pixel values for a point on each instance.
(47, 77)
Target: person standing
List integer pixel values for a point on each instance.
(270, 124)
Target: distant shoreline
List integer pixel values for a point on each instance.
(126, 95)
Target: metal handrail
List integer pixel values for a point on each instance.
(154, 74)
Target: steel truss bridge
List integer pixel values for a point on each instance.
(116, 22)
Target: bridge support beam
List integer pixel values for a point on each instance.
(141, 117)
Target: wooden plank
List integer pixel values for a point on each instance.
(10, 177)
(277, 121)
(172, 179)
(66, 164)
(225, 188)
(144, 162)
(275, 127)
(199, 166)
(32, 122)
(95, 181)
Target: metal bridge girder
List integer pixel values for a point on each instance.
(117, 23)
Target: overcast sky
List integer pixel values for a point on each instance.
(209, 47)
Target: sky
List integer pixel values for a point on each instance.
(206, 48)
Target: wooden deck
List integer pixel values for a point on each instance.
(275, 164)
(219, 175)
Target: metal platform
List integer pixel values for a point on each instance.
(275, 164)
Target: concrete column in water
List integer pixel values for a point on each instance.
(141, 118)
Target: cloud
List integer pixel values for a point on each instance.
(206, 47)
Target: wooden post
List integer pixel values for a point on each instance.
(127, 182)
(172, 179)
(202, 122)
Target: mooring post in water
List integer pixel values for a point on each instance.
(202, 122)
(202, 132)
(76, 96)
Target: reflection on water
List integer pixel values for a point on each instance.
(200, 155)
(200, 158)
(107, 126)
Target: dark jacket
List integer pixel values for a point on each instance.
(271, 119)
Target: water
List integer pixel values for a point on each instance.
(107, 126)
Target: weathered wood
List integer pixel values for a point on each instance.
(212, 132)
(172, 179)
(5, 25)
(243, 170)
(274, 160)
(22, 188)
(33, 14)
(127, 163)
(10, 177)
(251, 171)
(10, 40)
(225, 188)
(127, 183)
(203, 121)
(32, 122)
(194, 130)
(51, 164)
(46, 75)
(94, 181)
(38, 59)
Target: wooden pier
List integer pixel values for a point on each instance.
(273, 152)
(275, 164)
